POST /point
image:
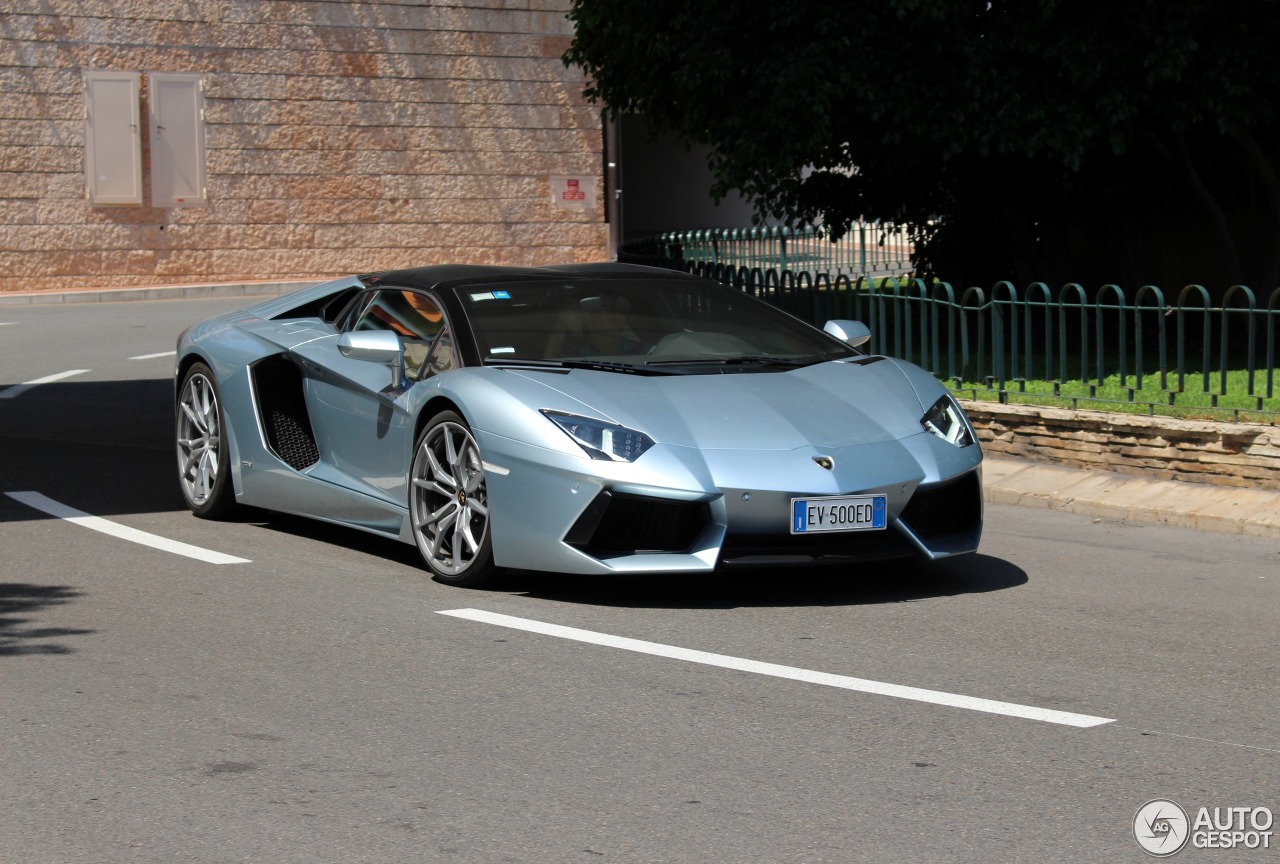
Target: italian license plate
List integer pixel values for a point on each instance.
(842, 513)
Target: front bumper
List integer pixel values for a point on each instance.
(560, 513)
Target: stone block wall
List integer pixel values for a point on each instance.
(341, 136)
(1227, 454)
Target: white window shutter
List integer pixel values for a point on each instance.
(113, 138)
(177, 140)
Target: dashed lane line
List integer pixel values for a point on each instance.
(155, 356)
(47, 505)
(16, 389)
(898, 691)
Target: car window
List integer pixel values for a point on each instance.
(638, 322)
(415, 317)
(442, 357)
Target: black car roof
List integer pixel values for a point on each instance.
(444, 275)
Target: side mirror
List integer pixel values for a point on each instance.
(379, 346)
(854, 332)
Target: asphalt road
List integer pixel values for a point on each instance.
(311, 704)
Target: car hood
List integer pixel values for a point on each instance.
(829, 404)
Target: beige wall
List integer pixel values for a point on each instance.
(341, 136)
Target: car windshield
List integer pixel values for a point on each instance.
(696, 324)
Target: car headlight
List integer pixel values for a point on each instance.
(602, 440)
(946, 420)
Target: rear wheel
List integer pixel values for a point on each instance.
(203, 471)
(449, 504)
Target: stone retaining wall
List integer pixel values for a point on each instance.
(1225, 454)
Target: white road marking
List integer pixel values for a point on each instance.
(155, 356)
(898, 691)
(53, 508)
(10, 392)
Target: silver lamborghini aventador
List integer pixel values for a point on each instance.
(593, 419)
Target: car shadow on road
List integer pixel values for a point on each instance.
(18, 600)
(833, 585)
(376, 545)
(846, 585)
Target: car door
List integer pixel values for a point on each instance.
(358, 407)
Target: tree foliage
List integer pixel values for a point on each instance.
(1127, 141)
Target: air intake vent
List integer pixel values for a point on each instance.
(277, 384)
(948, 508)
(624, 524)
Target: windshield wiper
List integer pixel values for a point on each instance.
(597, 365)
(743, 360)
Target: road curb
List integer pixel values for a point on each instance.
(1131, 498)
(156, 292)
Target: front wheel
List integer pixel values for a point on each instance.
(449, 504)
(203, 469)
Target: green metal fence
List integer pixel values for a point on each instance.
(1181, 353)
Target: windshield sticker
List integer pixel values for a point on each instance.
(502, 350)
(501, 295)
(483, 295)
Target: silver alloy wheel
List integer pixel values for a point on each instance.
(199, 441)
(448, 502)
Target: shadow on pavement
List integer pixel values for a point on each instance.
(830, 585)
(846, 585)
(104, 447)
(18, 599)
(375, 545)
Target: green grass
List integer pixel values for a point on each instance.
(1192, 403)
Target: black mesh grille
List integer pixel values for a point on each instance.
(278, 385)
(948, 508)
(620, 524)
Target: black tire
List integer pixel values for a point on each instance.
(204, 469)
(448, 503)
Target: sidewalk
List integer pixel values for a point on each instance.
(1132, 498)
(1102, 494)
